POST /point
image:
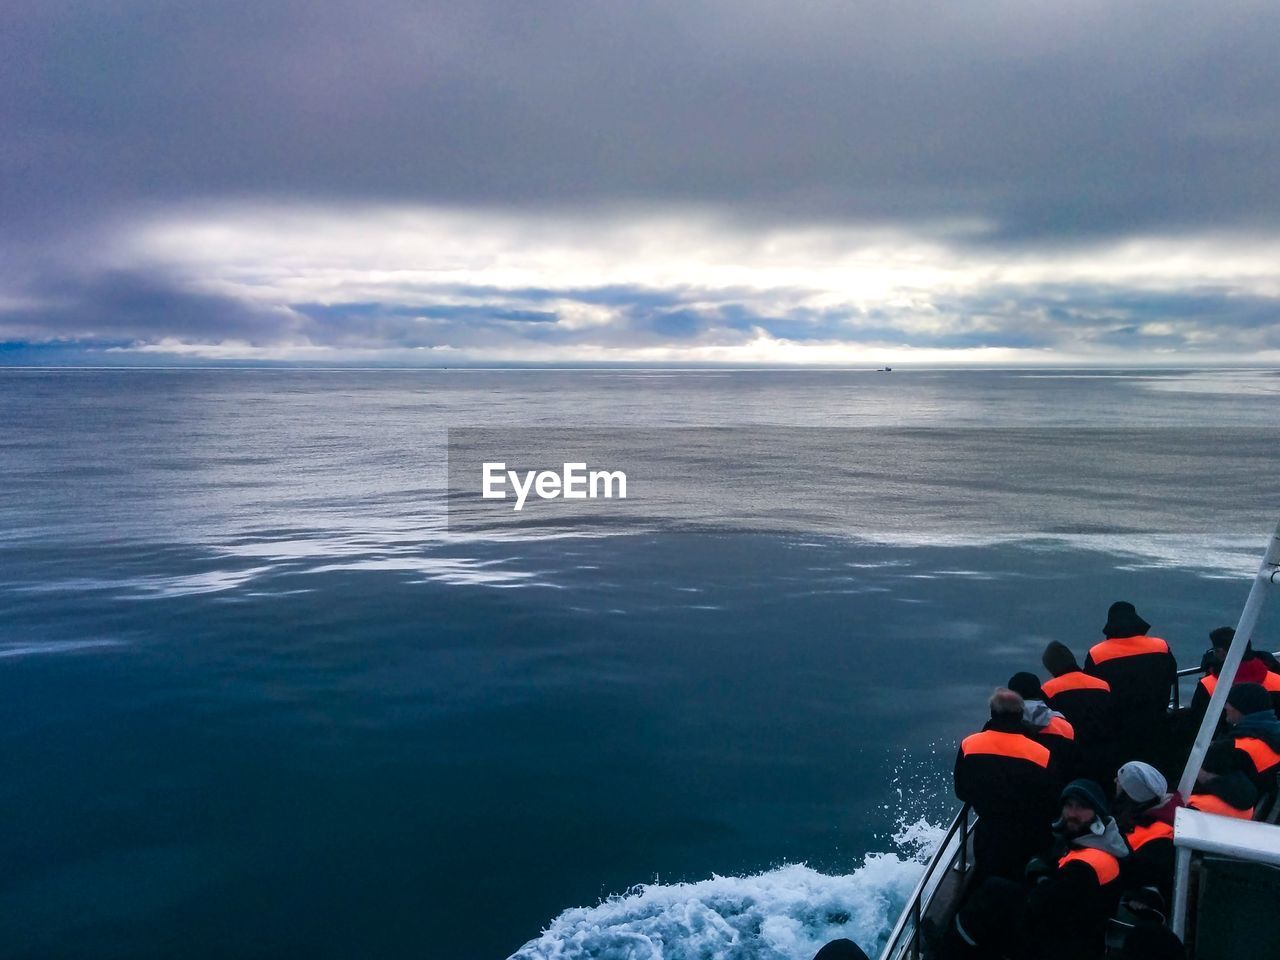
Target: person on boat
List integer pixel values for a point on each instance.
(1222, 787)
(1086, 702)
(1007, 777)
(1255, 733)
(1141, 671)
(1144, 810)
(1076, 890)
(1252, 669)
(1047, 726)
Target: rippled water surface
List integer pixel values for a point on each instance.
(259, 698)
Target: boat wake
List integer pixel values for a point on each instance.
(783, 914)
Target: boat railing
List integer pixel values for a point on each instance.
(904, 941)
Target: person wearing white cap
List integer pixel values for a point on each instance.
(1145, 810)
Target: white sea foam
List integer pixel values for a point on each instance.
(52, 646)
(783, 914)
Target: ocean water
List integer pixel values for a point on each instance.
(274, 682)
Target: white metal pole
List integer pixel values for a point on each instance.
(1181, 887)
(1268, 574)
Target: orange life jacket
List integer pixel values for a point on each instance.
(1208, 803)
(1059, 727)
(1127, 647)
(1104, 865)
(1075, 680)
(1264, 758)
(1270, 683)
(1001, 744)
(1140, 836)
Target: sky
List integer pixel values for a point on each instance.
(581, 181)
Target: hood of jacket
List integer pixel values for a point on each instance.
(1036, 714)
(1104, 835)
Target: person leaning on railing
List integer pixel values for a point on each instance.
(1008, 779)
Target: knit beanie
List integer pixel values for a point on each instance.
(1141, 782)
(1249, 698)
(1088, 793)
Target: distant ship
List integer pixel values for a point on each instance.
(884, 370)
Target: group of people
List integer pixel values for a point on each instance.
(1075, 815)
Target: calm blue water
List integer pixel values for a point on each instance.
(258, 698)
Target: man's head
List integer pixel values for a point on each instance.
(1058, 659)
(1244, 699)
(1123, 621)
(1220, 642)
(1005, 703)
(1082, 802)
(1026, 685)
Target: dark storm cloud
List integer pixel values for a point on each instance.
(1054, 121)
(125, 305)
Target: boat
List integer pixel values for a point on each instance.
(1227, 873)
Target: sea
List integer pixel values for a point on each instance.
(278, 681)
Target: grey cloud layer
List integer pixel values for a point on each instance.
(1050, 120)
(993, 127)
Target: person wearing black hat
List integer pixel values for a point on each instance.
(1076, 891)
(1047, 726)
(1086, 703)
(1255, 733)
(1008, 779)
(1252, 669)
(1141, 671)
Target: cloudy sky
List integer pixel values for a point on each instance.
(570, 181)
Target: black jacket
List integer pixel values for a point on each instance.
(1234, 790)
(1141, 671)
(1009, 780)
(1085, 700)
(1067, 912)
